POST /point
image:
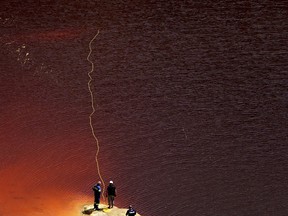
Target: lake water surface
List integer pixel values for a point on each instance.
(190, 99)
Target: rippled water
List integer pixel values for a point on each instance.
(191, 105)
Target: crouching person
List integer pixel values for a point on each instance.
(131, 211)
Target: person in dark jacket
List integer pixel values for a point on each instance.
(97, 193)
(111, 194)
(131, 211)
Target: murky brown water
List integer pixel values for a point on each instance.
(191, 110)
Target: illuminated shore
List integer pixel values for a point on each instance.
(105, 211)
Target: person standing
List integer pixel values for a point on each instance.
(111, 194)
(131, 211)
(97, 193)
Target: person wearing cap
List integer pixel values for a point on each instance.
(131, 211)
(111, 194)
(97, 193)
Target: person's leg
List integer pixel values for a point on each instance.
(95, 200)
(112, 201)
(109, 201)
(96, 203)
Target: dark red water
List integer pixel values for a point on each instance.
(191, 106)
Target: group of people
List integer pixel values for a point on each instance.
(110, 194)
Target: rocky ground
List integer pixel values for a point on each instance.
(105, 211)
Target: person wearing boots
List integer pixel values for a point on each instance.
(111, 194)
(97, 193)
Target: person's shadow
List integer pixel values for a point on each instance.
(89, 211)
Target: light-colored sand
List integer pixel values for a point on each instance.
(105, 211)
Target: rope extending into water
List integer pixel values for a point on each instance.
(93, 111)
